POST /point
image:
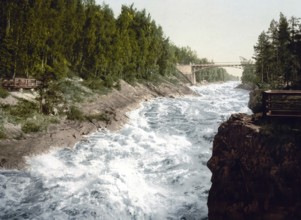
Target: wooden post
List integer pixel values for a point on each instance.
(264, 104)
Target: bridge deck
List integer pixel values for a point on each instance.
(282, 103)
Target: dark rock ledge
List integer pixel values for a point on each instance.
(256, 172)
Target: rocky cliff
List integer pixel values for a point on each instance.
(256, 171)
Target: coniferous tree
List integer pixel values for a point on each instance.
(277, 54)
(262, 56)
(51, 39)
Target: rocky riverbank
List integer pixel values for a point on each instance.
(256, 170)
(66, 133)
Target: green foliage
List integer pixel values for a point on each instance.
(27, 114)
(30, 126)
(2, 133)
(155, 79)
(50, 39)
(54, 120)
(99, 117)
(213, 75)
(24, 109)
(3, 92)
(37, 122)
(278, 54)
(185, 55)
(96, 85)
(70, 90)
(248, 74)
(75, 114)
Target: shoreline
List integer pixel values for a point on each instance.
(67, 133)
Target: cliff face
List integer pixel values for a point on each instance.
(255, 174)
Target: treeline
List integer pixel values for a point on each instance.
(277, 55)
(53, 39)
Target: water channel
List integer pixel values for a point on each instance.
(153, 168)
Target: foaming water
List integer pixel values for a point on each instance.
(154, 168)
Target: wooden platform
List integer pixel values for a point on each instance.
(281, 103)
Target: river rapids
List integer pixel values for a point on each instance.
(153, 168)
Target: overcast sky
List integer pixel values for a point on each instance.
(221, 30)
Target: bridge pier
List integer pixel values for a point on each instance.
(187, 71)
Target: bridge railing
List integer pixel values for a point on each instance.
(197, 67)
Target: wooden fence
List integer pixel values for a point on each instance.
(281, 103)
(20, 83)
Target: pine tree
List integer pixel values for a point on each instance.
(284, 52)
(262, 56)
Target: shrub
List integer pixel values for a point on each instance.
(3, 92)
(54, 120)
(51, 98)
(70, 90)
(97, 85)
(2, 133)
(31, 126)
(24, 109)
(75, 114)
(93, 84)
(99, 117)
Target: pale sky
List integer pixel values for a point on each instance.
(220, 30)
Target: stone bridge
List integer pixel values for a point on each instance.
(189, 70)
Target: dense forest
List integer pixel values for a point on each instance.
(53, 39)
(277, 56)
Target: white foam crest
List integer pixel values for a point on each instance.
(47, 164)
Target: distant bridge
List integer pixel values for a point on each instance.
(189, 70)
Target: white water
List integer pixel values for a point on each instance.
(154, 168)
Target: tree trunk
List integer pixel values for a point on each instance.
(15, 68)
(15, 60)
(7, 31)
(262, 71)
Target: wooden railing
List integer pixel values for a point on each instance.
(281, 103)
(21, 83)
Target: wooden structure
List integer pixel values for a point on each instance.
(281, 103)
(21, 83)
